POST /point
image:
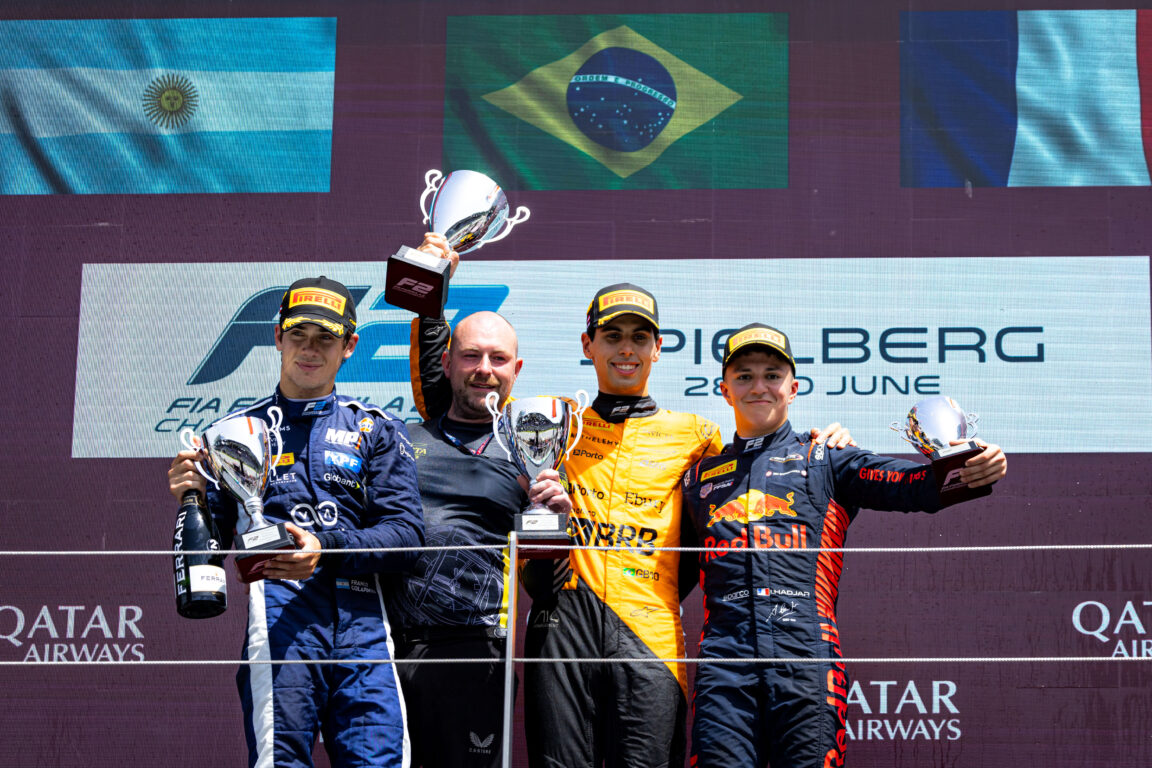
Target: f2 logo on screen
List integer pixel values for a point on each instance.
(251, 327)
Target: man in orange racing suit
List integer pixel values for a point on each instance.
(622, 602)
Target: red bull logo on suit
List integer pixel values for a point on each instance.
(752, 506)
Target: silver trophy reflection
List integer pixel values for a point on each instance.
(931, 426)
(537, 434)
(470, 210)
(238, 453)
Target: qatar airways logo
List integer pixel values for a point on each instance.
(72, 633)
(899, 710)
(1123, 628)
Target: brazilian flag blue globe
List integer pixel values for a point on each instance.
(622, 99)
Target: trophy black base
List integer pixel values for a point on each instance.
(417, 281)
(543, 529)
(946, 465)
(270, 540)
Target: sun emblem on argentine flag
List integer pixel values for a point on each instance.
(170, 101)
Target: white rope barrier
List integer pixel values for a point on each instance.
(533, 660)
(873, 550)
(172, 552)
(644, 660)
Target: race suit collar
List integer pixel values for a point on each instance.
(741, 444)
(297, 409)
(616, 408)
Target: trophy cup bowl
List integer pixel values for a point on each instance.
(933, 423)
(539, 433)
(931, 426)
(238, 453)
(469, 209)
(240, 468)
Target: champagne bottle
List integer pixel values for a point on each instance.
(200, 579)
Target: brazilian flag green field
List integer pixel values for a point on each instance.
(670, 101)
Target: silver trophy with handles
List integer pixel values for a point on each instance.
(932, 425)
(539, 433)
(470, 210)
(238, 451)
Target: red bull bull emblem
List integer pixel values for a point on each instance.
(752, 506)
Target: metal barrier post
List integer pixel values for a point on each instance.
(510, 647)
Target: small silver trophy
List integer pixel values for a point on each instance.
(470, 210)
(931, 426)
(535, 432)
(238, 451)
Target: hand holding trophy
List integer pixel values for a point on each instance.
(932, 426)
(238, 451)
(469, 209)
(535, 433)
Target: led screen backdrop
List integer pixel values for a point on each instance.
(902, 336)
(944, 199)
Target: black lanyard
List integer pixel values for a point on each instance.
(458, 443)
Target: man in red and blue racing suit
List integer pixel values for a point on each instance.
(346, 480)
(772, 489)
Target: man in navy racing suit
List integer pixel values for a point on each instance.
(773, 489)
(346, 480)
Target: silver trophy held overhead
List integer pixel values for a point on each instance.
(238, 453)
(537, 434)
(931, 426)
(469, 209)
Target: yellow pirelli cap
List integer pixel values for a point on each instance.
(758, 334)
(622, 299)
(321, 301)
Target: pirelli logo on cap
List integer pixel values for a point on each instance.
(757, 336)
(723, 469)
(318, 296)
(633, 298)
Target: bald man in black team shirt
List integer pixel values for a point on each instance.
(452, 604)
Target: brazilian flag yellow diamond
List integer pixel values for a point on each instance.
(619, 101)
(542, 99)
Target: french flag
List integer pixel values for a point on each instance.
(1025, 98)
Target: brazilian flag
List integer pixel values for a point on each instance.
(670, 101)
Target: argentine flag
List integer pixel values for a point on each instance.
(1025, 98)
(155, 106)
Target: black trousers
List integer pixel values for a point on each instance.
(583, 715)
(455, 711)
